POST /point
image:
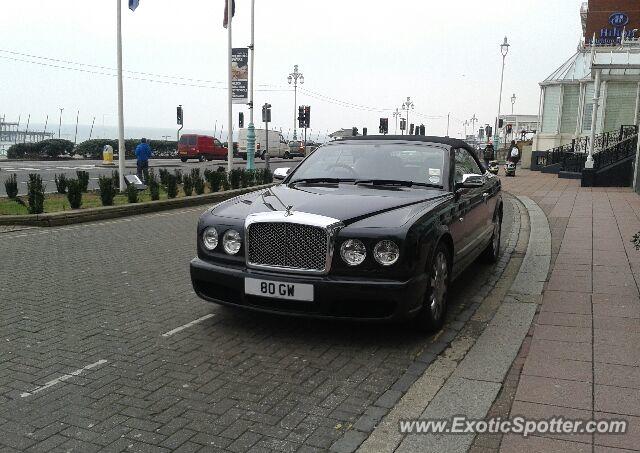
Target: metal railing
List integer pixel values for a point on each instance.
(573, 155)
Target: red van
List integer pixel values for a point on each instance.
(201, 147)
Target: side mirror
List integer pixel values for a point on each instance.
(281, 173)
(470, 181)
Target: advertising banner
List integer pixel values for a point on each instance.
(240, 75)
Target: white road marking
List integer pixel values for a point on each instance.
(62, 378)
(187, 325)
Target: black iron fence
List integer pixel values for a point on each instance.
(573, 155)
(616, 153)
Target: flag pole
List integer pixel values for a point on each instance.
(121, 147)
(230, 105)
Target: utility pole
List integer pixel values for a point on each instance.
(92, 124)
(251, 132)
(448, 121)
(230, 78)
(504, 50)
(121, 146)
(27, 129)
(75, 136)
(60, 123)
(46, 123)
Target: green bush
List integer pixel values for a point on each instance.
(154, 186)
(83, 179)
(187, 185)
(172, 186)
(132, 193)
(267, 176)
(11, 186)
(198, 181)
(178, 175)
(107, 190)
(215, 180)
(35, 190)
(61, 182)
(74, 193)
(51, 149)
(235, 178)
(93, 148)
(163, 176)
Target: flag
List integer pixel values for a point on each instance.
(226, 10)
(133, 4)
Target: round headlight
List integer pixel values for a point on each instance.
(231, 242)
(210, 238)
(353, 252)
(386, 252)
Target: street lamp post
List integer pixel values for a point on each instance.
(396, 114)
(504, 50)
(293, 78)
(473, 120)
(466, 123)
(60, 123)
(513, 102)
(408, 105)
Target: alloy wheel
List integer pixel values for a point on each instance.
(439, 279)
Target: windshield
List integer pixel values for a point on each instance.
(420, 163)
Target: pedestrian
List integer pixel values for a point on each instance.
(488, 154)
(514, 152)
(143, 153)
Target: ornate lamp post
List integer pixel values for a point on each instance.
(293, 79)
(504, 50)
(396, 114)
(513, 102)
(408, 105)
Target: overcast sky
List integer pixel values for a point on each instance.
(372, 53)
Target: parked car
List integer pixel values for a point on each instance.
(296, 149)
(373, 227)
(201, 147)
(278, 146)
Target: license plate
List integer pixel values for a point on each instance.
(278, 290)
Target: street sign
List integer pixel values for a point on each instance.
(240, 75)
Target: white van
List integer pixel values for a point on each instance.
(278, 146)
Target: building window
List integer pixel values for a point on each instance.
(587, 112)
(550, 109)
(570, 109)
(621, 105)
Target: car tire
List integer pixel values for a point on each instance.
(183, 159)
(200, 158)
(435, 300)
(287, 155)
(492, 252)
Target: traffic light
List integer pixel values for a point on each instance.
(422, 130)
(509, 128)
(241, 120)
(307, 116)
(179, 115)
(481, 133)
(384, 125)
(500, 123)
(411, 129)
(354, 131)
(301, 117)
(488, 131)
(403, 124)
(266, 113)
(364, 131)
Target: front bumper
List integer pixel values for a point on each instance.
(334, 297)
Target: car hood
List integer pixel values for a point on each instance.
(346, 202)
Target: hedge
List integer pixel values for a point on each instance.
(45, 149)
(92, 149)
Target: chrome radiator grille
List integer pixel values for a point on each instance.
(287, 245)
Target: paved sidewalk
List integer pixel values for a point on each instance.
(583, 360)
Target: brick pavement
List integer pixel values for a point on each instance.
(75, 297)
(583, 359)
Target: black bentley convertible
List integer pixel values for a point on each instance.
(373, 227)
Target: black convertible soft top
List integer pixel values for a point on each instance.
(453, 142)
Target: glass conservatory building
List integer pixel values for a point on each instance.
(605, 75)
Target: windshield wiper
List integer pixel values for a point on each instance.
(395, 182)
(314, 180)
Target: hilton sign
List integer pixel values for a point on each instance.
(610, 19)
